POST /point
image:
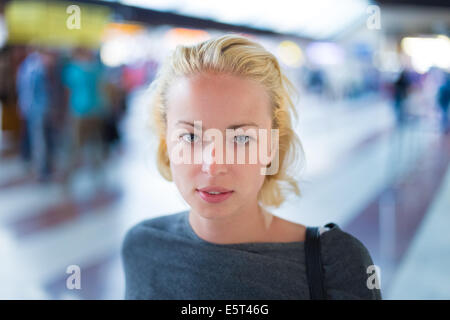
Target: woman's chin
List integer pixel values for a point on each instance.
(210, 211)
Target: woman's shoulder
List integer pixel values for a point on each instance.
(339, 243)
(348, 266)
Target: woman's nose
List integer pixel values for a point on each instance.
(212, 164)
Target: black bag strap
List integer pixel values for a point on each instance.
(314, 269)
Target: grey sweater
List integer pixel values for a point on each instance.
(163, 258)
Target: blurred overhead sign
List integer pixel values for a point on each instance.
(55, 23)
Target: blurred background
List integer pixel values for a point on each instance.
(77, 161)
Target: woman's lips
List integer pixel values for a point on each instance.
(214, 198)
(214, 189)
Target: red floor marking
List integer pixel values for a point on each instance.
(413, 195)
(64, 212)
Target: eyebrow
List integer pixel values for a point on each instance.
(234, 126)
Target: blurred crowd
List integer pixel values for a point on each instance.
(412, 94)
(64, 107)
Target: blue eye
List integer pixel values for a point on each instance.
(243, 141)
(189, 139)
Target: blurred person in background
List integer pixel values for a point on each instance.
(59, 112)
(401, 87)
(116, 106)
(317, 81)
(443, 102)
(82, 76)
(33, 92)
(8, 114)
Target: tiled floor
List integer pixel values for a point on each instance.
(388, 187)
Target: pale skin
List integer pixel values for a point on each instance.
(220, 101)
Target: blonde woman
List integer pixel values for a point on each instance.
(212, 102)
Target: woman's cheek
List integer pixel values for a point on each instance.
(246, 174)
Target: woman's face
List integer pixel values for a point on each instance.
(218, 102)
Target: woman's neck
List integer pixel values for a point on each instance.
(252, 224)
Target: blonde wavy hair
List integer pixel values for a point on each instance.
(239, 56)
